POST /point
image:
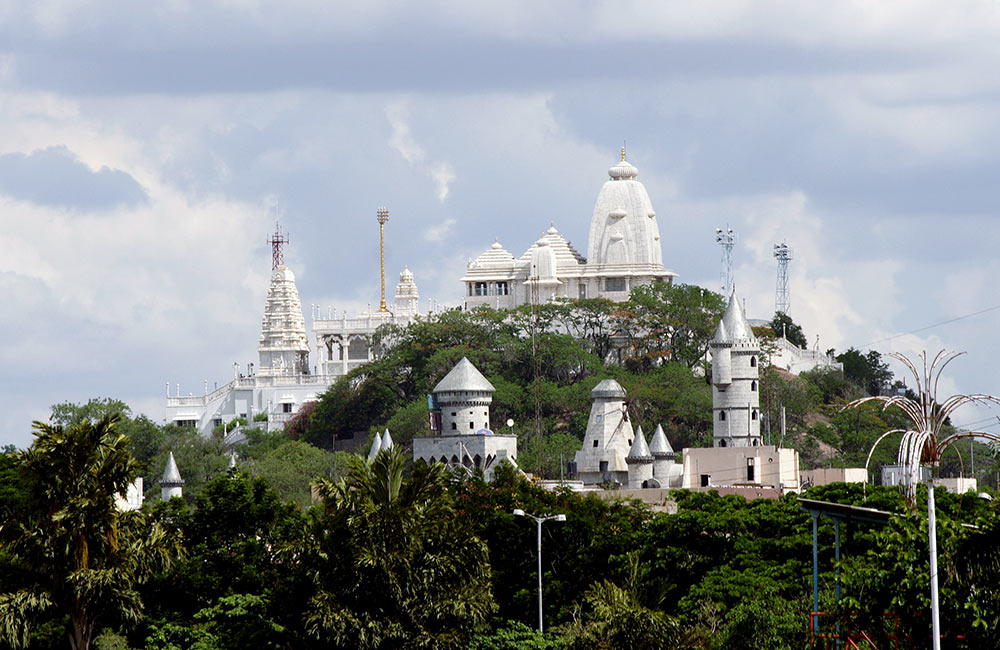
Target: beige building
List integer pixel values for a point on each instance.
(764, 466)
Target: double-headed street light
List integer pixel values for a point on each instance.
(539, 520)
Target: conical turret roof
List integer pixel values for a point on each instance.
(659, 446)
(733, 328)
(376, 447)
(171, 475)
(386, 440)
(464, 377)
(639, 450)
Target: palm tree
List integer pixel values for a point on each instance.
(393, 564)
(74, 552)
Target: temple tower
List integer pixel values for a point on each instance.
(407, 296)
(735, 380)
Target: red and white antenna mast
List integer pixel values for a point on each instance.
(277, 241)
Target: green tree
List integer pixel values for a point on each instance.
(783, 325)
(868, 371)
(74, 551)
(393, 566)
(674, 322)
(616, 620)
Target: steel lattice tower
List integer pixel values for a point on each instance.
(277, 242)
(783, 254)
(727, 239)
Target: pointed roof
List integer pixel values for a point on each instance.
(568, 259)
(171, 475)
(608, 388)
(386, 440)
(659, 446)
(639, 450)
(734, 326)
(376, 447)
(464, 376)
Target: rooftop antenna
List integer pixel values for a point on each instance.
(277, 241)
(382, 214)
(783, 254)
(727, 239)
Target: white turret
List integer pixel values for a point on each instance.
(283, 347)
(609, 437)
(375, 448)
(407, 296)
(640, 462)
(735, 380)
(171, 485)
(386, 440)
(464, 396)
(666, 471)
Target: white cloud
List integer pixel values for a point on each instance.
(439, 232)
(401, 139)
(444, 176)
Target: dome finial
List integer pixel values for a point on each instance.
(623, 151)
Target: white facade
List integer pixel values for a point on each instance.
(623, 251)
(464, 396)
(344, 343)
(280, 383)
(828, 475)
(764, 466)
(796, 360)
(608, 439)
(735, 381)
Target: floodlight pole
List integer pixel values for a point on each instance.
(539, 520)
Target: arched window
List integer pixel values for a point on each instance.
(722, 416)
(753, 385)
(722, 443)
(753, 362)
(753, 415)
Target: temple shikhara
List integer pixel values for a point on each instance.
(623, 251)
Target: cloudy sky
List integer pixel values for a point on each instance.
(147, 148)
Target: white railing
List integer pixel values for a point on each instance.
(256, 381)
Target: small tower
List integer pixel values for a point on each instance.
(735, 378)
(387, 440)
(783, 254)
(640, 462)
(375, 448)
(407, 296)
(464, 396)
(664, 456)
(609, 436)
(171, 485)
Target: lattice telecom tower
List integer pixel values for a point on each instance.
(726, 238)
(783, 254)
(277, 242)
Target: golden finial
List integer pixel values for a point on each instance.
(623, 152)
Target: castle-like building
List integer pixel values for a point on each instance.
(623, 251)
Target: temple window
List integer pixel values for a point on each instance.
(481, 288)
(753, 386)
(502, 289)
(722, 415)
(753, 362)
(614, 284)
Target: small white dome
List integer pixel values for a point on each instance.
(406, 275)
(623, 170)
(618, 213)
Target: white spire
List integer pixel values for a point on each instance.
(659, 445)
(376, 447)
(640, 450)
(386, 440)
(171, 485)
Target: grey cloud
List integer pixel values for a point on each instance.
(55, 176)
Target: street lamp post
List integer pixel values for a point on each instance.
(539, 520)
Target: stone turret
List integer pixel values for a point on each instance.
(608, 439)
(171, 485)
(735, 380)
(640, 462)
(284, 346)
(464, 396)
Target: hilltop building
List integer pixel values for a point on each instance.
(623, 251)
(283, 380)
(461, 419)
